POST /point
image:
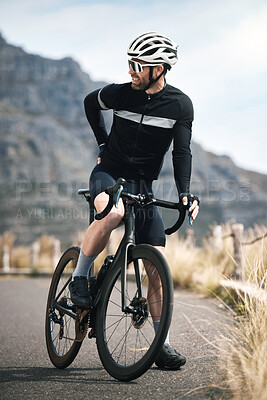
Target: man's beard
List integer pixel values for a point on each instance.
(140, 86)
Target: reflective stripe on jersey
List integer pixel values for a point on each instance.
(102, 105)
(160, 122)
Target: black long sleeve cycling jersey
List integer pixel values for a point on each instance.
(144, 125)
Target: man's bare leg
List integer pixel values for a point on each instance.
(154, 292)
(167, 357)
(98, 233)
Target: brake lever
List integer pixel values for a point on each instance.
(182, 214)
(190, 202)
(114, 195)
(118, 196)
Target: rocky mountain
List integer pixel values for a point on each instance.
(47, 150)
(44, 134)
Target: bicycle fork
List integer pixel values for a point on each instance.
(123, 281)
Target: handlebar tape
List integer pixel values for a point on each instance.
(179, 222)
(112, 192)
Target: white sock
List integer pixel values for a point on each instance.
(156, 325)
(83, 266)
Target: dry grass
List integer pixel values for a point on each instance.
(201, 268)
(255, 254)
(182, 260)
(245, 352)
(245, 349)
(21, 257)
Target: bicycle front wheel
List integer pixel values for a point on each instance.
(129, 341)
(60, 325)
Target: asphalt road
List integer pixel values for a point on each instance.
(27, 373)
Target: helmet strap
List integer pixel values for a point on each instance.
(151, 79)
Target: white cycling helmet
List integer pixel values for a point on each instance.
(154, 48)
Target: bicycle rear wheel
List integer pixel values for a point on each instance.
(126, 341)
(60, 327)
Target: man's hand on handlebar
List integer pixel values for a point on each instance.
(191, 201)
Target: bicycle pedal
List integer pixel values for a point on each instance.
(91, 334)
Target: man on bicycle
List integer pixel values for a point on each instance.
(148, 115)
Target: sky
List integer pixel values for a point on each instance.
(222, 56)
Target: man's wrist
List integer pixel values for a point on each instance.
(101, 149)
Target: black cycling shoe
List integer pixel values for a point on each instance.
(79, 292)
(169, 358)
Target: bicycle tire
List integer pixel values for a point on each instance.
(127, 361)
(61, 345)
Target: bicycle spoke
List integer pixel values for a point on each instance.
(115, 323)
(153, 293)
(63, 289)
(119, 290)
(142, 333)
(125, 335)
(136, 343)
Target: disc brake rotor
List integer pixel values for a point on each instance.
(139, 318)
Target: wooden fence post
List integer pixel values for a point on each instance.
(239, 271)
(6, 258)
(35, 250)
(56, 251)
(217, 240)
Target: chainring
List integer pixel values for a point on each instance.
(81, 324)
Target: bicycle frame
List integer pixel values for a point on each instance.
(121, 256)
(128, 239)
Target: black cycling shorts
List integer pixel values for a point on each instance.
(149, 226)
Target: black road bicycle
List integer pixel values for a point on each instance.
(133, 288)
